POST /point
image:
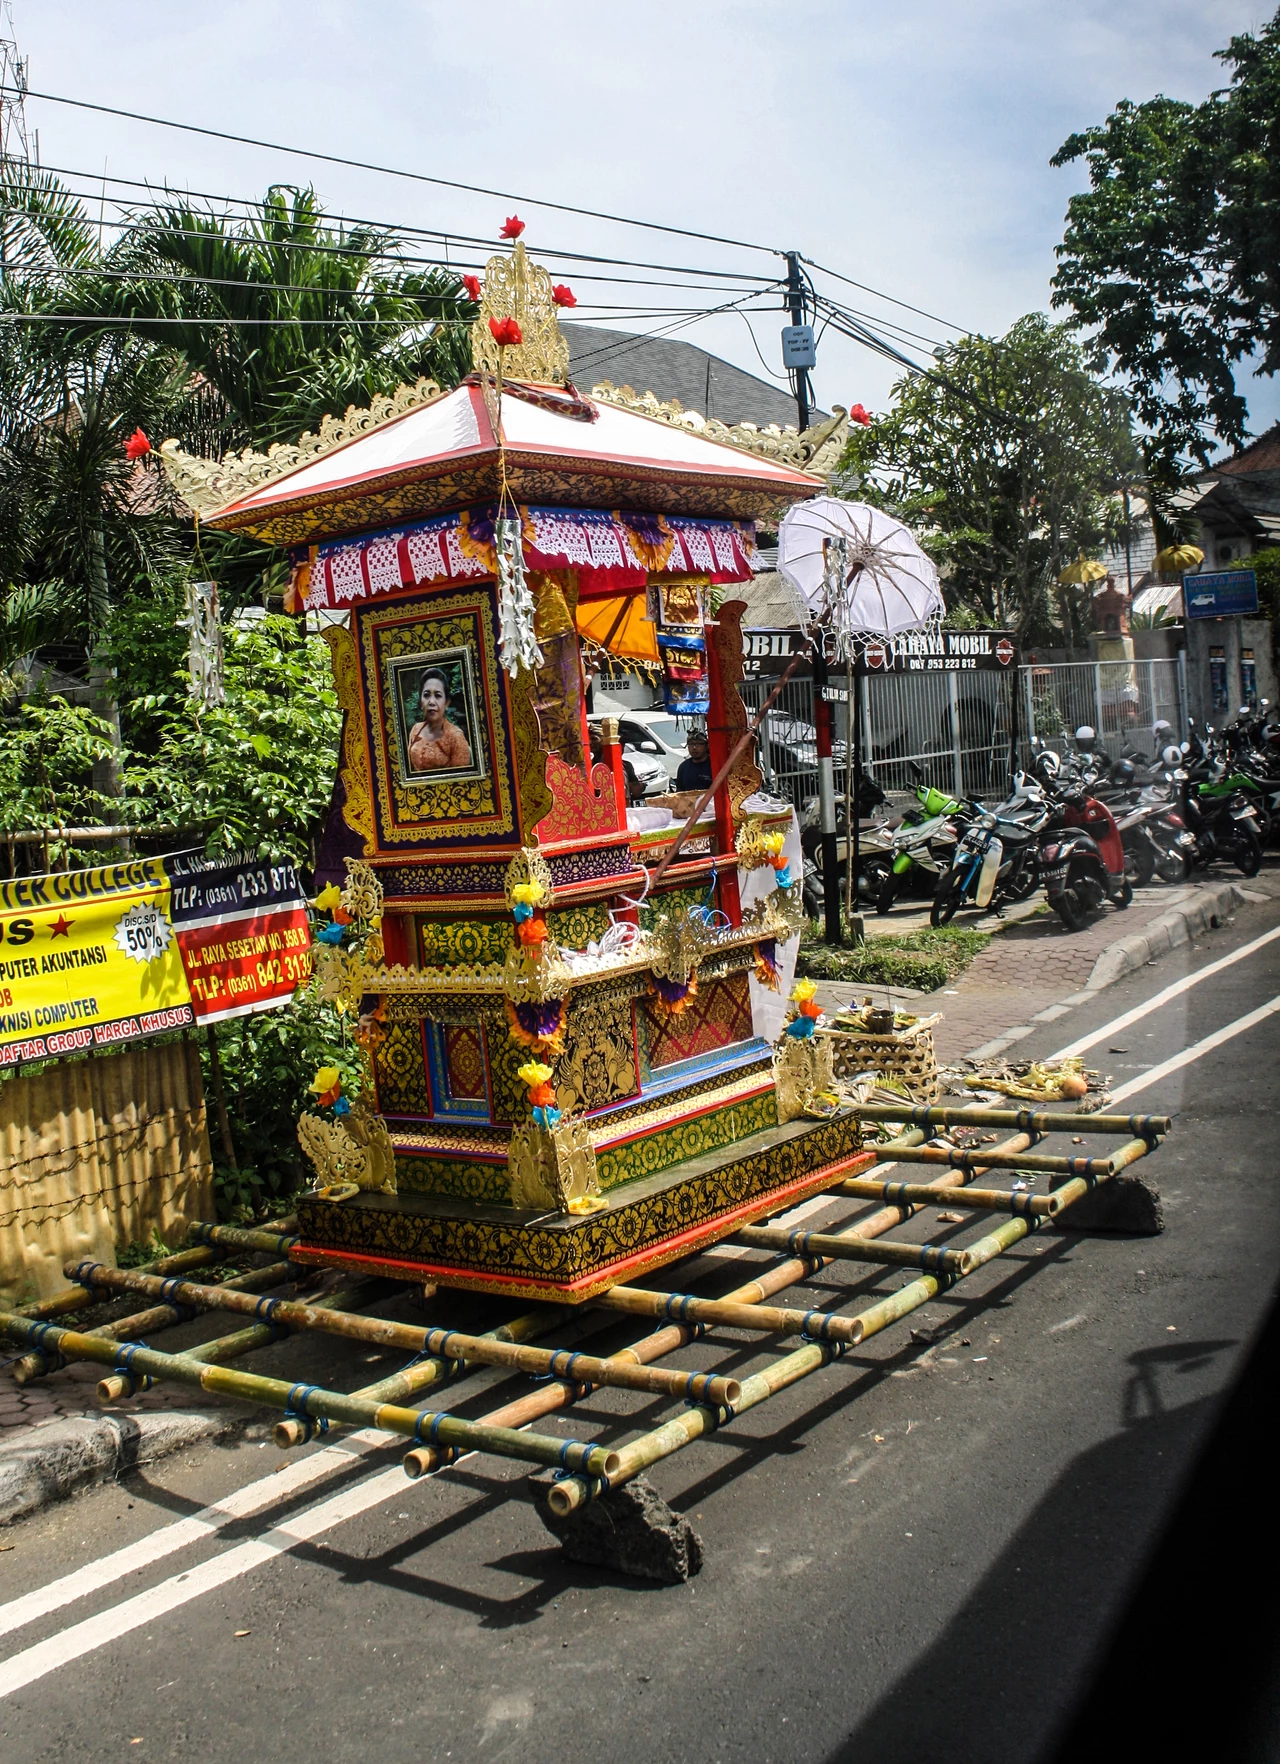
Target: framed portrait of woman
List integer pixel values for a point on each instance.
(439, 728)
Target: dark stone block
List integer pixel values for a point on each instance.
(1127, 1204)
(631, 1530)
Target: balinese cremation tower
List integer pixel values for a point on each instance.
(572, 1040)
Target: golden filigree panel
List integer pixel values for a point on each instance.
(357, 811)
(515, 288)
(598, 1066)
(478, 801)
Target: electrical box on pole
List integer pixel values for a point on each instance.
(798, 337)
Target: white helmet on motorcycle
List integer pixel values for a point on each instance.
(1085, 737)
(1048, 763)
(1172, 756)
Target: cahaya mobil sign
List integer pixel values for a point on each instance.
(941, 652)
(93, 958)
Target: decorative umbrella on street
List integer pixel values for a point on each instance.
(1083, 571)
(855, 571)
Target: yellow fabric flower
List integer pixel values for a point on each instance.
(533, 1072)
(527, 894)
(773, 843)
(328, 898)
(324, 1080)
(803, 991)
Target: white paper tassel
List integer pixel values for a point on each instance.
(517, 645)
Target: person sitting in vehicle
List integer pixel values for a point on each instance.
(694, 773)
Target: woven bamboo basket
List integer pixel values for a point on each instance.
(906, 1056)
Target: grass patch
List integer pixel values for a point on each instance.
(924, 960)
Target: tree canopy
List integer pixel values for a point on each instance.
(1006, 458)
(1171, 258)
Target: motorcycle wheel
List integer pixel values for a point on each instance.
(1173, 866)
(1024, 888)
(1248, 852)
(1139, 865)
(1070, 909)
(946, 898)
(813, 908)
(888, 893)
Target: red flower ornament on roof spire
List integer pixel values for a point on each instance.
(505, 332)
(563, 295)
(858, 415)
(512, 227)
(137, 446)
(472, 286)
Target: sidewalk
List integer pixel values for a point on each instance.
(1033, 968)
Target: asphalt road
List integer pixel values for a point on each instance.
(919, 1550)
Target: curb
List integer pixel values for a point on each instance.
(49, 1463)
(1179, 925)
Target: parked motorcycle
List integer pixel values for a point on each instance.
(997, 857)
(924, 840)
(1082, 859)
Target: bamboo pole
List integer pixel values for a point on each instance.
(433, 1370)
(837, 1249)
(450, 1344)
(309, 1399)
(422, 1460)
(925, 1194)
(1027, 1120)
(1041, 1162)
(638, 1301)
(36, 1365)
(238, 1237)
(119, 1385)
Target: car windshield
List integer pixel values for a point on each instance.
(667, 730)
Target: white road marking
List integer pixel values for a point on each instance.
(1197, 1050)
(94, 1632)
(168, 1539)
(1163, 998)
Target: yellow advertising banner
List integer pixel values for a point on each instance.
(88, 959)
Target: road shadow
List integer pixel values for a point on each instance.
(997, 1684)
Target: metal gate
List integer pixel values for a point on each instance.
(956, 727)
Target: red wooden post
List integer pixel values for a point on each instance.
(720, 737)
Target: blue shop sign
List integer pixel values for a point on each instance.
(1226, 594)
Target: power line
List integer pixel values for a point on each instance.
(253, 208)
(965, 330)
(395, 171)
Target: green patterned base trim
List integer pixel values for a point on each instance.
(636, 1223)
(665, 1146)
(460, 1177)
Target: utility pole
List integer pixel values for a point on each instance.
(798, 354)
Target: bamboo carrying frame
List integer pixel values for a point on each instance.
(564, 1374)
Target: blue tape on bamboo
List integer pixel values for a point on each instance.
(295, 1409)
(265, 1311)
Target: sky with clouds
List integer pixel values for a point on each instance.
(906, 147)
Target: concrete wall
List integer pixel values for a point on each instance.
(1232, 637)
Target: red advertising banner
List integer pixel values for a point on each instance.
(242, 928)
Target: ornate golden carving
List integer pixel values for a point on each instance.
(209, 484)
(357, 811)
(803, 1072)
(554, 1167)
(530, 866)
(816, 450)
(354, 1149)
(515, 288)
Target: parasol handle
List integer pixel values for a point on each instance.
(724, 771)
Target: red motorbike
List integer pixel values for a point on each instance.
(1082, 860)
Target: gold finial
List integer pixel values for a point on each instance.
(516, 289)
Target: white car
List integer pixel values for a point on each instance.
(655, 732)
(645, 766)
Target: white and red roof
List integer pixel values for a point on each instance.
(444, 455)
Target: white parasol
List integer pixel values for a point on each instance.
(853, 570)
